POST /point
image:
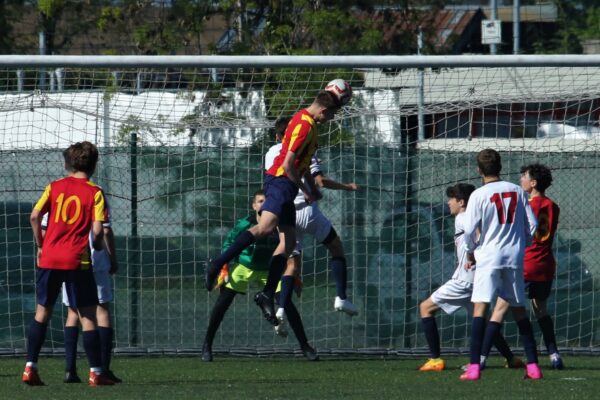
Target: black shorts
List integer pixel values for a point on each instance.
(280, 194)
(79, 283)
(538, 290)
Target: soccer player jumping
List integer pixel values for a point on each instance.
(282, 182)
(500, 212)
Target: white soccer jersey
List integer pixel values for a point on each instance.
(315, 168)
(501, 212)
(461, 274)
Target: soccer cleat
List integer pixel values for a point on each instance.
(280, 328)
(71, 377)
(533, 372)
(433, 364)
(207, 353)
(110, 375)
(472, 373)
(96, 379)
(211, 272)
(514, 363)
(31, 377)
(223, 277)
(556, 362)
(266, 305)
(309, 352)
(481, 366)
(345, 305)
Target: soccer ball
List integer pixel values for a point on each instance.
(341, 90)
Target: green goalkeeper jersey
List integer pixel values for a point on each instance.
(258, 255)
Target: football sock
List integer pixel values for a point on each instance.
(492, 330)
(338, 267)
(35, 340)
(276, 268)
(218, 312)
(477, 332)
(242, 241)
(71, 334)
(106, 338)
(295, 322)
(91, 345)
(526, 332)
(432, 336)
(547, 328)
(502, 346)
(287, 286)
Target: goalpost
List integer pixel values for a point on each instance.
(182, 140)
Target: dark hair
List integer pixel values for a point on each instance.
(260, 192)
(540, 173)
(489, 162)
(67, 156)
(83, 157)
(280, 126)
(327, 100)
(460, 191)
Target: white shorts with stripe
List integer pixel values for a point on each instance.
(453, 295)
(507, 283)
(310, 220)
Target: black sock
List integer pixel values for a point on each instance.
(91, 345)
(547, 328)
(432, 336)
(477, 332)
(287, 286)
(492, 330)
(502, 346)
(276, 268)
(218, 312)
(295, 322)
(526, 332)
(35, 340)
(106, 338)
(242, 241)
(71, 334)
(340, 274)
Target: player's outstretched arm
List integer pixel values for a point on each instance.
(109, 244)
(328, 183)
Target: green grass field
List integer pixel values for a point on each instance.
(279, 378)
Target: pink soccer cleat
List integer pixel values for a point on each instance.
(533, 372)
(473, 373)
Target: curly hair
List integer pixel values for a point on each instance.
(540, 173)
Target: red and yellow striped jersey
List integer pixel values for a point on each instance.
(300, 138)
(73, 204)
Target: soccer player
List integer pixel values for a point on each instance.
(75, 206)
(499, 211)
(455, 293)
(282, 182)
(104, 264)
(310, 219)
(251, 266)
(540, 265)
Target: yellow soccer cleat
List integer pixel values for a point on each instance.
(223, 277)
(433, 364)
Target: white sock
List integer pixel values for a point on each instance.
(96, 370)
(482, 359)
(31, 364)
(554, 356)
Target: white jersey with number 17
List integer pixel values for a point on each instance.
(501, 211)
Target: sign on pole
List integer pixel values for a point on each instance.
(491, 31)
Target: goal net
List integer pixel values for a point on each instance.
(182, 142)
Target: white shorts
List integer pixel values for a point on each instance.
(507, 283)
(103, 283)
(453, 295)
(310, 220)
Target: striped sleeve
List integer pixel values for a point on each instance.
(99, 206)
(43, 203)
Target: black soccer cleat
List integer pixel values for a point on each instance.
(267, 306)
(309, 353)
(110, 375)
(207, 355)
(211, 272)
(71, 377)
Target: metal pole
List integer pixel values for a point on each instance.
(60, 79)
(42, 39)
(493, 16)
(20, 79)
(516, 26)
(420, 90)
(134, 254)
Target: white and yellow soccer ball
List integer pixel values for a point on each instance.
(341, 90)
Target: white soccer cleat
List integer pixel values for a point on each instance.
(345, 305)
(281, 327)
